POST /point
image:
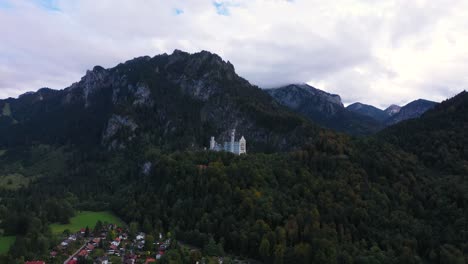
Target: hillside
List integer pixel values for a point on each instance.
(438, 137)
(368, 110)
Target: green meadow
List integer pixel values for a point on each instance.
(5, 243)
(86, 218)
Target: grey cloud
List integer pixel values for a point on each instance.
(369, 51)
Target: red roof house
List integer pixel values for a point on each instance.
(83, 253)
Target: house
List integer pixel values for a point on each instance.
(102, 260)
(64, 244)
(89, 247)
(140, 236)
(113, 247)
(35, 262)
(83, 253)
(150, 260)
(73, 261)
(53, 254)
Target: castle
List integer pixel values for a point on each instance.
(233, 146)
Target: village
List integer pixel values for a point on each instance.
(111, 244)
(107, 243)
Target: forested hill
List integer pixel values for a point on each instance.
(173, 101)
(439, 137)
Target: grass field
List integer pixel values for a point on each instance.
(86, 218)
(5, 243)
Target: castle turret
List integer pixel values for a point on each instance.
(242, 146)
(212, 143)
(233, 139)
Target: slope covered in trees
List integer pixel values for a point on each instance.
(340, 201)
(439, 137)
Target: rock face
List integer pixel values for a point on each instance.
(323, 108)
(392, 110)
(174, 101)
(412, 110)
(368, 110)
(305, 98)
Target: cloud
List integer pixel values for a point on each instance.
(378, 52)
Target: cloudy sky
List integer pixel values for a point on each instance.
(376, 52)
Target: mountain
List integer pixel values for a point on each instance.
(129, 140)
(412, 110)
(392, 110)
(438, 137)
(368, 110)
(323, 108)
(173, 101)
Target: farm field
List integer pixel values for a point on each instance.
(86, 218)
(5, 243)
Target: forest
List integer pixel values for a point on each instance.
(353, 201)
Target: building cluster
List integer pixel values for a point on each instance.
(112, 242)
(233, 146)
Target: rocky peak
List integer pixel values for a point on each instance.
(201, 74)
(296, 95)
(413, 109)
(392, 110)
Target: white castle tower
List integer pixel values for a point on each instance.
(242, 146)
(233, 146)
(233, 141)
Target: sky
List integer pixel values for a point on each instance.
(376, 52)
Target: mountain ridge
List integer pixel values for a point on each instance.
(197, 91)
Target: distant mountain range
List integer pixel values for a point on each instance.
(189, 97)
(356, 119)
(174, 101)
(324, 108)
(394, 113)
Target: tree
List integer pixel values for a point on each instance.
(134, 227)
(264, 249)
(149, 243)
(213, 249)
(195, 256)
(98, 227)
(279, 254)
(147, 226)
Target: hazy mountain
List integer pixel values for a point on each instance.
(368, 110)
(392, 110)
(411, 110)
(323, 108)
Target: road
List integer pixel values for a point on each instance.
(78, 251)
